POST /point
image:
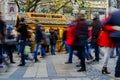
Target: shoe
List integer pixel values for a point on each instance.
(117, 75)
(68, 62)
(21, 65)
(113, 57)
(95, 60)
(105, 71)
(36, 60)
(13, 62)
(78, 65)
(53, 54)
(81, 70)
(38, 53)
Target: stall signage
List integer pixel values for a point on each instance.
(46, 16)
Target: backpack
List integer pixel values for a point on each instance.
(10, 37)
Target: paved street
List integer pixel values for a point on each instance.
(53, 68)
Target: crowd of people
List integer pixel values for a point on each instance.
(79, 36)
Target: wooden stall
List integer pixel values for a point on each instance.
(56, 21)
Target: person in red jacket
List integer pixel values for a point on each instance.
(77, 36)
(106, 43)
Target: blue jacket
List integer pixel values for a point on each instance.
(38, 34)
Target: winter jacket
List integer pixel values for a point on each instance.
(53, 38)
(81, 33)
(64, 35)
(96, 26)
(2, 27)
(23, 31)
(48, 36)
(77, 35)
(70, 36)
(38, 34)
(104, 37)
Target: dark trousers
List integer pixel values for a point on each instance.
(22, 46)
(96, 48)
(81, 51)
(47, 48)
(1, 55)
(9, 49)
(117, 68)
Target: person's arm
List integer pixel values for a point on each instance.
(116, 28)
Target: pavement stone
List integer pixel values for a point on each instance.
(53, 68)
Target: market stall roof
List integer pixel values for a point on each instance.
(43, 18)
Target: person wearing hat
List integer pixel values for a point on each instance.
(96, 27)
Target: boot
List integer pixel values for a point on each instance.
(105, 71)
(36, 60)
(117, 75)
(81, 69)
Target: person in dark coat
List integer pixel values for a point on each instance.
(53, 41)
(23, 39)
(2, 34)
(115, 23)
(80, 34)
(64, 41)
(38, 38)
(111, 24)
(96, 26)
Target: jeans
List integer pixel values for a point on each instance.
(107, 52)
(87, 51)
(66, 46)
(117, 68)
(36, 50)
(80, 51)
(1, 55)
(117, 51)
(53, 49)
(70, 54)
(9, 50)
(22, 46)
(96, 48)
(43, 52)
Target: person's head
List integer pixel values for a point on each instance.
(22, 19)
(80, 17)
(95, 15)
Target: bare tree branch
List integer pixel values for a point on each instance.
(34, 3)
(16, 1)
(62, 6)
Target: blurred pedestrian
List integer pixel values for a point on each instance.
(48, 36)
(2, 34)
(96, 27)
(105, 40)
(38, 38)
(53, 41)
(64, 41)
(79, 40)
(23, 39)
(10, 41)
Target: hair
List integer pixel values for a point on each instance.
(80, 17)
(22, 19)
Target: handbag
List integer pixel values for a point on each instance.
(115, 35)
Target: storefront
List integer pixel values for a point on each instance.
(56, 21)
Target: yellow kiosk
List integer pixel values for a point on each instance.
(56, 21)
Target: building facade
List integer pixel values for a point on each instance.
(9, 10)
